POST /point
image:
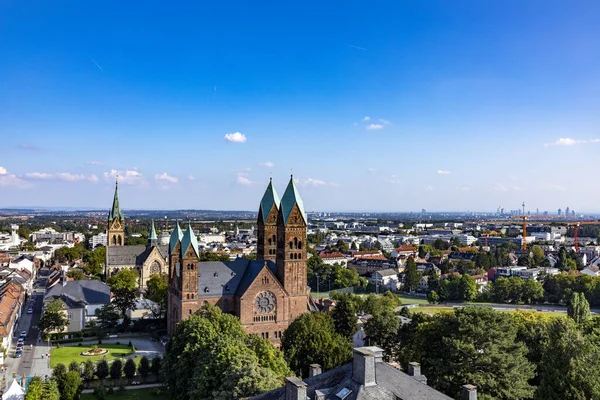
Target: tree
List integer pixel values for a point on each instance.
(157, 291)
(156, 365)
(533, 291)
(72, 386)
(538, 255)
(59, 374)
(88, 370)
(432, 297)
(578, 308)
(75, 366)
(411, 275)
(108, 316)
(144, 368)
(95, 261)
(467, 288)
(381, 331)
(124, 279)
(54, 318)
(568, 364)
(205, 350)
(123, 300)
(311, 338)
(51, 391)
(102, 369)
(344, 316)
(476, 345)
(129, 368)
(75, 274)
(116, 369)
(35, 390)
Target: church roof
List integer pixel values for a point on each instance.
(189, 238)
(227, 278)
(152, 235)
(115, 211)
(176, 236)
(131, 255)
(290, 198)
(269, 199)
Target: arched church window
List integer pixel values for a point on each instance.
(225, 305)
(114, 240)
(119, 241)
(300, 245)
(295, 243)
(291, 245)
(269, 241)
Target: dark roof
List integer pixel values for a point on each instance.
(23, 257)
(131, 255)
(86, 291)
(226, 278)
(391, 384)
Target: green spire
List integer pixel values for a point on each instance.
(189, 238)
(152, 236)
(269, 198)
(176, 236)
(115, 212)
(290, 198)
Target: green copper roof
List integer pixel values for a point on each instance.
(152, 235)
(176, 236)
(291, 197)
(270, 197)
(115, 212)
(189, 238)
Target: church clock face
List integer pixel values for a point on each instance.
(265, 302)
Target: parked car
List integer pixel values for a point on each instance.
(30, 310)
(18, 353)
(20, 341)
(23, 334)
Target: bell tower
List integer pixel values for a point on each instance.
(267, 224)
(189, 272)
(116, 225)
(291, 248)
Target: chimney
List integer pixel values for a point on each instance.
(469, 392)
(295, 389)
(414, 371)
(315, 369)
(363, 366)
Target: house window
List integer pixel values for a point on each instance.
(70, 316)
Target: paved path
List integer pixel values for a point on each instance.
(146, 386)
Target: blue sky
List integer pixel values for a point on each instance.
(376, 106)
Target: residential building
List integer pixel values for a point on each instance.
(333, 258)
(591, 270)
(23, 262)
(12, 296)
(82, 300)
(51, 236)
(367, 377)
(424, 283)
(385, 279)
(11, 241)
(366, 265)
(100, 239)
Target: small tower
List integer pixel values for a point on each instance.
(116, 226)
(291, 246)
(152, 237)
(189, 268)
(267, 225)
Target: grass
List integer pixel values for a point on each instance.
(407, 300)
(134, 394)
(441, 309)
(67, 354)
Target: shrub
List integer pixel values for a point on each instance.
(110, 390)
(118, 343)
(130, 344)
(100, 341)
(79, 344)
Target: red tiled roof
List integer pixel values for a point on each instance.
(406, 248)
(13, 294)
(331, 255)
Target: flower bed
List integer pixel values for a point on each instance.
(94, 352)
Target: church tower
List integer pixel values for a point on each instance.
(174, 299)
(152, 236)
(291, 249)
(267, 225)
(189, 272)
(116, 226)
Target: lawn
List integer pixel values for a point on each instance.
(66, 354)
(406, 300)
(135, 394)
(441, 309)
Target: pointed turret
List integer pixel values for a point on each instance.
(115, 212)
(291, 198)
(189, 238)
(269, 199)
(176, 236)
(152, 237)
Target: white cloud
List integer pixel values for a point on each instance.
(570, 142)
(127, 177)
(371, 169)
(93, 178)
(314, 182)
(166, 177)
(67, 176)
(94, 163)
(367, 118)
(242, 180)
(38, 175)
(7, 179)
(428, 188)
(267, 164)
(374, 127)
(465, 189)
(235, 137)
(394, 181)
(500, 187)
(191, 177)
(443, 172)
(384, 121)
(60, 176)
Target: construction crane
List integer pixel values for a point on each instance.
(576, 226)
(524, 218)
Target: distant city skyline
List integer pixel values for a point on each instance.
(383, 107)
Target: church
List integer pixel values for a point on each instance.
(146, 260)
(266, 294)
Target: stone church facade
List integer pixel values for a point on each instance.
(146, 260)
(268, 293)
